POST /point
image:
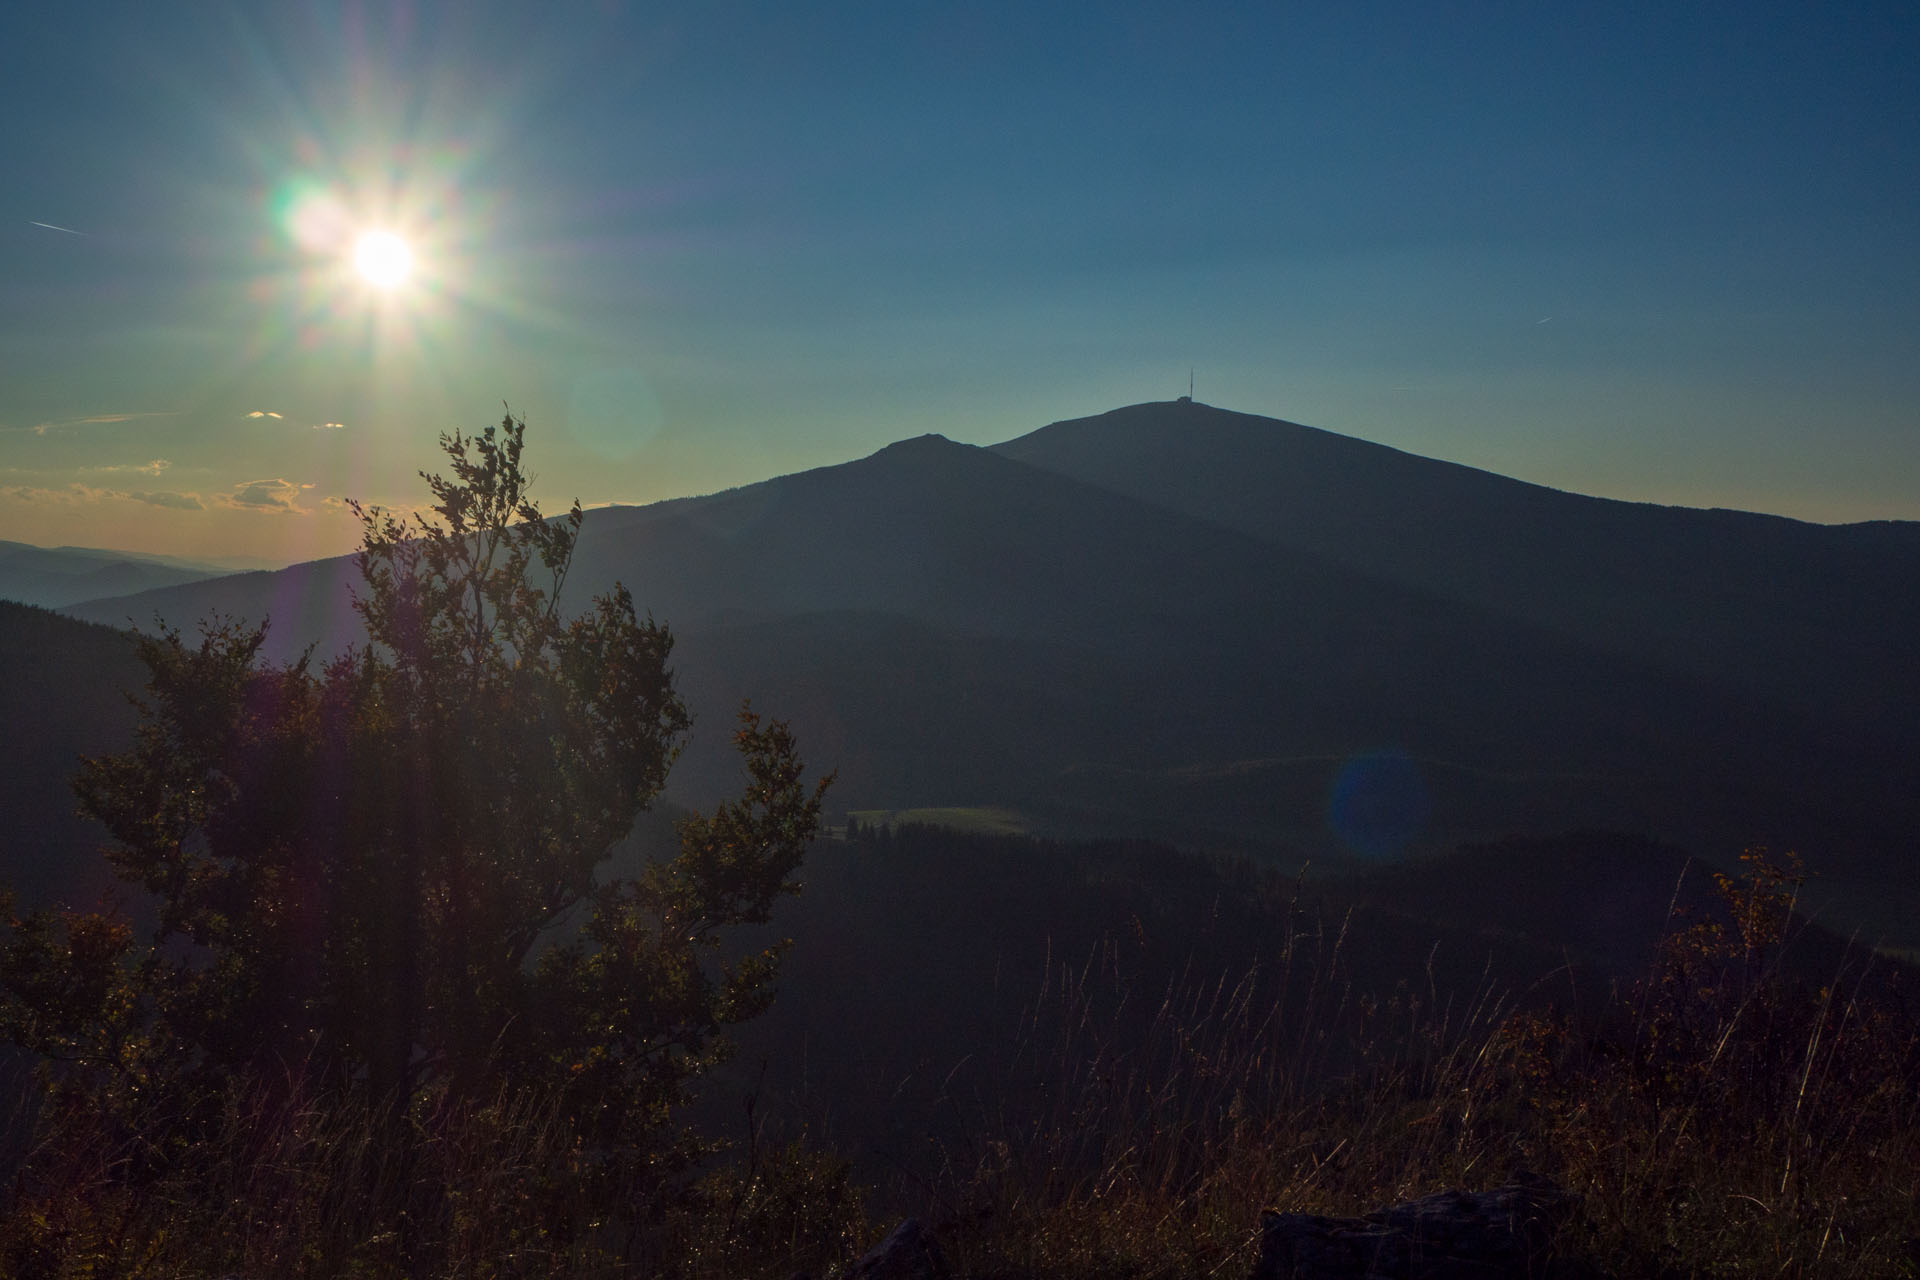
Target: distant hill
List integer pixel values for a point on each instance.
(53, 577)
(1345, 650)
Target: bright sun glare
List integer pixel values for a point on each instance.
(382, 259)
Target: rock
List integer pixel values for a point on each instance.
(908, 1253)
(1506, 1233)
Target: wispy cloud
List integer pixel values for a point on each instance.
(51, 227)
(277, 416)
(78, 494)
(405, 513)
(70, 495)
(92, 420)
(153, 468)
(179, 501)
(271, 495)
(264, 495)
(31, 493)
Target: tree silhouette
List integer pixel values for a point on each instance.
(382, 875)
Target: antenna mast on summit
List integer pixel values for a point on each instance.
(1189, 382)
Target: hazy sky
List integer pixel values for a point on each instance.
(1654, 251)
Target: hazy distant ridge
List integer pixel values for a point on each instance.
(54, 577)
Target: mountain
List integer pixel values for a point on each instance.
(53, 577)
(1820, 616)
(1319, 664)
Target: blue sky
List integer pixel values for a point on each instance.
(1650, 251)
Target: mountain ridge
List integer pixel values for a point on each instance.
(1706, 591)
(55, 577)
(954, 625)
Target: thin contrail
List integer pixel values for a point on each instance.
(49, 226)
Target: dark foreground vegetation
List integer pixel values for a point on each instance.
(1718, 1116)
(389, 998)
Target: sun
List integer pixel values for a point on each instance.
(383, 259)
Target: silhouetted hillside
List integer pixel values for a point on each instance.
(946, 947)
(306, 604)
(1820, 616)
(1602, 900)
(63, 694)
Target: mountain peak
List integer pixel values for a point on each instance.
(931, 442)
